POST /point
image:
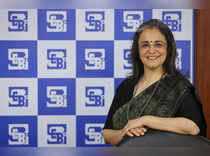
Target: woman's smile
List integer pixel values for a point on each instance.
(153, 57)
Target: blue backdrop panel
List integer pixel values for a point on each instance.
(60, 69)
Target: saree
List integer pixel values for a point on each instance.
(163, 98)
(160, 99)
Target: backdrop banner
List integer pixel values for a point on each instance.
(59, 69)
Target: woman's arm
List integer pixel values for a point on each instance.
(136, 127)
(113, 137)
(176, 124)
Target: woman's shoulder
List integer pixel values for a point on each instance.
(179, 78)
(126, 83)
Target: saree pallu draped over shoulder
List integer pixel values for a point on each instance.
(160, 99)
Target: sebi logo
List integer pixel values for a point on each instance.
(18, 96)
(93, 132)
(132, 20)
(56, 134)
(127, 59)
(18, 21)
(179, 59)
(56, 96)
(56, 21)
(94, 21)
(173, 20)
(56, 59)
(94, 96)
(18, 134)
(18, 59)
(95, 59)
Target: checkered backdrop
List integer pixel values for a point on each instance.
(60, 68)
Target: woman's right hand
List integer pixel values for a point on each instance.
(139, 131)
(113, 137)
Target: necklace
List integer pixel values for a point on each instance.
(149, 99)
(145, 85)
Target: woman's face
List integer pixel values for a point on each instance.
(152, 49)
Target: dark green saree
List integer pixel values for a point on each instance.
(162, 99)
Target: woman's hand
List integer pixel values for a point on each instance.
(135, 127)
(113, 137)
(139, 131)
(179, 125)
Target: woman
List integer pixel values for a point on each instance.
(156, 96)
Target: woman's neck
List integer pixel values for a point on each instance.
(152, 75)
(148, 78)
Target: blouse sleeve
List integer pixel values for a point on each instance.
(123, 94)
(114, 106)
(191, 108)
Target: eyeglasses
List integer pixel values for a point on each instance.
(145, 45)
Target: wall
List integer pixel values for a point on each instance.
(202, 59)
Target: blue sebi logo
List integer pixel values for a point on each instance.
(93, 132)
(56, 96)
(17, 59)
(173, 20)
(94, 96)
(132, 20)
(18, 96)
(94, 21)
(89, 131)
(128, 20)
(56, 58)
(18, 134)
(56, 24)
(56, 134)
(56, 21)
(18, 21)
(95, 59)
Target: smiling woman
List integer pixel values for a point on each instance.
(156, 96)
(152, 49)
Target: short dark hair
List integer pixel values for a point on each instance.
(169, 65)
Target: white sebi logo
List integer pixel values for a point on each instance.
(18, 96)
(56, 134)
(95, 59)
(179, 59)
(18, 134)
(132, 20)
(172, 19)
(18, 21)
(93, 132)
(56, 58)
(94, 21)
(56, 96)
(127, 59)
(94, 96)
(17, 59)
(56, 21)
